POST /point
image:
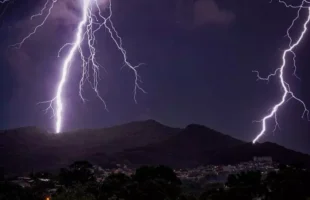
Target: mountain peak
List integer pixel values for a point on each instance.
(196, 127)
(146, 123)
(151, 122)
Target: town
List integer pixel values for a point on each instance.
(200, 175)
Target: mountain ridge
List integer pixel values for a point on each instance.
(135, 143)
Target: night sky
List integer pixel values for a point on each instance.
(199, 59)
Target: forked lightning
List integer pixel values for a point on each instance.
(280, 72)
(92, 20)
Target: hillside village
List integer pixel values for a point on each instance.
(201, 175)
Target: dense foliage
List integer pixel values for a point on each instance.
(161, 183)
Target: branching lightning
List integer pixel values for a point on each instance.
(92, 21)
(287, 93)
(19, 45)
(5, 7)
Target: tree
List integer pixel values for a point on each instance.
(159, 172)
(288, 183)
(116, 186)
(187, 196)
(214, 194)
(78, 172)
(65, 177)
(77, 192)
(157, 183)
(151, 183)
(246, 185)
(243, 186)
(12, 191)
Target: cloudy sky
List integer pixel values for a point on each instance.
(199, 58)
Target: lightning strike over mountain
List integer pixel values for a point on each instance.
(92, 20)
(287, 93)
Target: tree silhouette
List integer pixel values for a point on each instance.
(77, 192)
(158, 182)
(246, 185)
(161, 183)
(243, 186)
(117, 185)
(78, 172)
(151, 183)
(156, 172)
(10, 191)
(288, 183)
(187, 196)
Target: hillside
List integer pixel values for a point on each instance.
(136, 143)
(182, 150)
(30, 148)
(246, 151)
(198, 145)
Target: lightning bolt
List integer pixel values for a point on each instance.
(19, 45)
(5, 7)
(287, 93)
(92, 21)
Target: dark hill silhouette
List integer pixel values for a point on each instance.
(196, 138)
(196, 145)
(30, 148)
(135, 143)
(246, 151)
(182, 150)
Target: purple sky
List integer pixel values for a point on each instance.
(199, 56)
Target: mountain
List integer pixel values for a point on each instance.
(247, 151)
(199, 145)
(186, 149)
(135, 143)
(30, 148)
